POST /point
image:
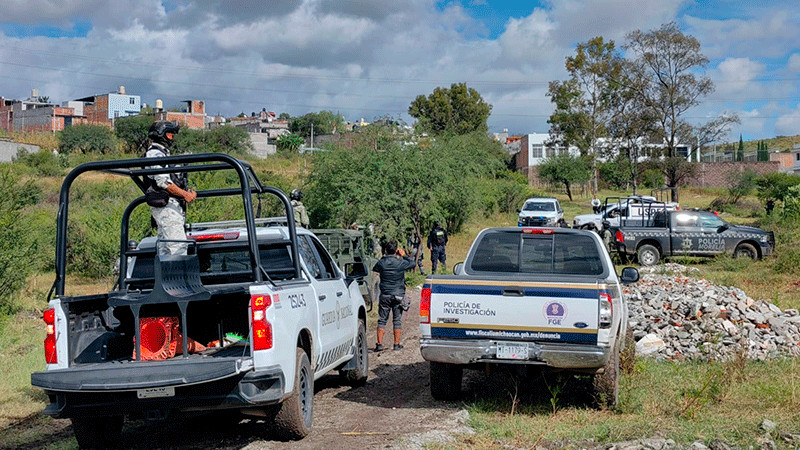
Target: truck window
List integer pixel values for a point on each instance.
(325, 262)
(539, 206)
(516, 252)
(307, 253)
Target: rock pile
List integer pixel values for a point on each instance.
(675, 316)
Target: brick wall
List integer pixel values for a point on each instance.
(716, 174)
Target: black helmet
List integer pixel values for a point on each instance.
(158, 132)
(296, 194)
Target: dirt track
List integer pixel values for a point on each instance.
(394, 404)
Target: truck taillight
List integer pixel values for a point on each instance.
(619, 237)
(425, 306)
(50, 354)
(262, 329)
(606, 311)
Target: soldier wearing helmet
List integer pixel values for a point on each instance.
(165, 192)
(300, 213)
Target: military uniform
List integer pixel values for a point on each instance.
(169, 218)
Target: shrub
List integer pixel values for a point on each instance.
(42, 162)
(87, 139)
(741, 184)
(652, 178)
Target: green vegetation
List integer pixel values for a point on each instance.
(85, 138)
(454, 110)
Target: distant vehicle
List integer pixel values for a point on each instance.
(354, 253)
(690, 233)
(540, 212)
(547, 297)
(631, 207)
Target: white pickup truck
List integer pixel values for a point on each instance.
(242, 324)
(540, 296)
(634, 207)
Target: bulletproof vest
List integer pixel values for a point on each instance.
(157, 196)
(439, 237)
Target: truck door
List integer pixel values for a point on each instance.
(711, 242)
(336, 318)
(685, 234)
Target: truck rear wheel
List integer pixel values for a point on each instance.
(445, 381)
(745, 250)
(606, 383)
(648, 255)
(293, 421)
(358, 376)
(98, 432)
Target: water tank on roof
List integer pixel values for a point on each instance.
(34, 94)
(122, 90)
(159, 104)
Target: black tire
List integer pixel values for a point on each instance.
(445, 381)
(745, 250)
(98, 432)
(358, 376)
(293, 421)
(648, 255)
(606, 383)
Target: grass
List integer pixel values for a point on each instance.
(658, 398)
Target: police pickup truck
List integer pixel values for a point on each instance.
(547, 297)
(620, 208)
(244, 323)
(688, 233)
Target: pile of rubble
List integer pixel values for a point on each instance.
(675, 316)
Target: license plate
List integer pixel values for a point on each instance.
(512, 351)
(156, 392)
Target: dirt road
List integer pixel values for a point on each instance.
(394, 405)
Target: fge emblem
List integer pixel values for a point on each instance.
(555, 312)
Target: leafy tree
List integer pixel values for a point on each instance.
(323, 122)
(16, 243)
(763, 153)
(741, 184)
(740, 150)
(132, 131)
(457, 110)
(284, 116)
(585, 103)
(565, 169)
(225, 139)
(400, 188)
(87, 139)
(616, 173)
(668, 63)
(288, 142)
(775, 185)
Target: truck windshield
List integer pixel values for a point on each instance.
(539, 206)
(510, 252)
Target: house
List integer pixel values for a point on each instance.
(534, 148)
(193, 115)
(35, 115)
(102, 109)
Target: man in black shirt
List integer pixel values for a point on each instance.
(437, 240)
(392, 268)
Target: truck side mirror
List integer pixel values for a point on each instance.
(629, 275)
(722, 227)
(458, 268)
(354, 271)
(518, 210)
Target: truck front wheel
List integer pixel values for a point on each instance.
(745, 250)
(293, 421)
(98, 432)
(648, 255)
(445, 381)
(358, 375)
(606, 383)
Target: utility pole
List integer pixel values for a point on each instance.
(312, 134)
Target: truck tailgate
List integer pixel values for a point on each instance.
(541, 311)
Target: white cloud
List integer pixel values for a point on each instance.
(788, 124)
(794, 63)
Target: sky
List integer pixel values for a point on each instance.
(371, 58)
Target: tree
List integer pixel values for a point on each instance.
(132, 131)
(457, 110)
(225, 139)
(585, 102)
(775, 185)
(763, 153)
(86, 139)
(565, 169)
(741, 184)
(668, 63)
(323, 122)
(740, 150)
(288, 142)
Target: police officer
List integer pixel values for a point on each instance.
(437, 240)
(392, 268)
(166, 191)
(300, 213)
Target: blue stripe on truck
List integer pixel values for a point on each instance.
(589, 291)
(501, 333)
